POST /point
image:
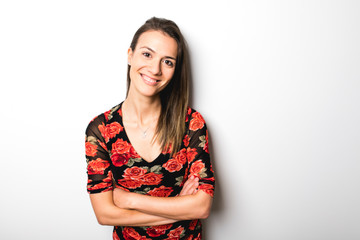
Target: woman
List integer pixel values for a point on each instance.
(149, 170)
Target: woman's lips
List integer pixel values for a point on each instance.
(148, 80)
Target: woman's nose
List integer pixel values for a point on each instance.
(155, 67)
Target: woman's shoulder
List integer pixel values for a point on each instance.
(193, 113)
(107, 116)
(194, 119)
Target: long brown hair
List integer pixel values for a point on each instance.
(170, 129)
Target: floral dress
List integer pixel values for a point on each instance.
(113, 162)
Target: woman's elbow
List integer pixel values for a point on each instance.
(204, 213)
(203, 216)
(204, 208)
(102, 220)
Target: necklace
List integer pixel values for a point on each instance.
(144, 133)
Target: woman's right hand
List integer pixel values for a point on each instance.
(190, 186)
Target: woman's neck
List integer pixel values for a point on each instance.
(142, 110)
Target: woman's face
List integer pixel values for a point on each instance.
(152, 63)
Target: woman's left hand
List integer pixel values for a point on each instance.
(190, 186)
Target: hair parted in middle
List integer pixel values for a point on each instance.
(170, 129)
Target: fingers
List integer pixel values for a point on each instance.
(190, 186)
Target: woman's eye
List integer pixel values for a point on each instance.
(146, 54)
(169, 63)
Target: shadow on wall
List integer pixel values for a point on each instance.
(218, 203)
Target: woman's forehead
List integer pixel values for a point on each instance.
(158, 42)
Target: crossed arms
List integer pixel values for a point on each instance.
(121, 208)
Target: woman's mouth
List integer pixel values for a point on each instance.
(148, 80)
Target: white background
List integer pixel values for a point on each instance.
(278, 83)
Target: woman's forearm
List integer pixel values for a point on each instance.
(196, 206)
(108, 214)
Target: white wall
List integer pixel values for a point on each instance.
(277, 81)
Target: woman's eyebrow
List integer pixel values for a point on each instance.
(151, 50)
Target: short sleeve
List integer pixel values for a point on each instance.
(198, 153)
(97, 158)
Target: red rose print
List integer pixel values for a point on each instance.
(113, 129)
(176, 232)
(115, 236)
(172, 165)
(120, 159)
(193, 224)
(106, 114)
(191, 154)
(185, 176)
(188, 114)
(108, 178)
(206, 147)
(190, 237)
(196, 167)
(209, 189)
(106, 183)
(152, 232)
(129, 183)
(189, 111)
(133, 153)
(100, 186)
(110, 130)
(102, 144)
(97, 166)
(144, 238)
(186, 140)
(197, 122)
(130, 234)
(211, 179)
(163, 227)
(181, 156)
(151, 178)
(90, 149)
(120, 147)
(167, 149)
(109, 151)
(198, 237)
(160, 192)
(158, 230)
(134, 173)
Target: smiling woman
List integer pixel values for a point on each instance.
(152, 63)
(149, 170)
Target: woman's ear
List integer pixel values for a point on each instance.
(130, 53)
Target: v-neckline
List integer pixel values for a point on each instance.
(129, 141)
